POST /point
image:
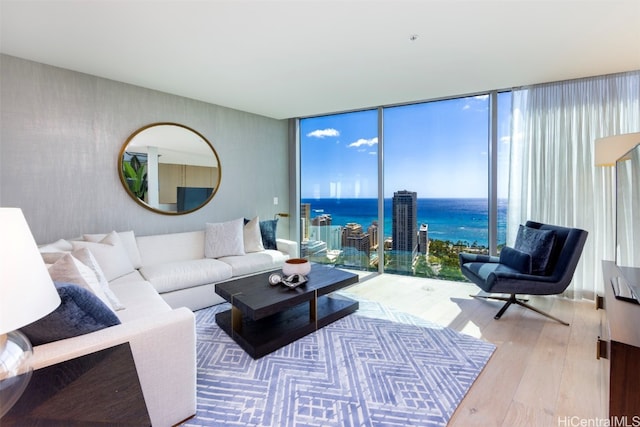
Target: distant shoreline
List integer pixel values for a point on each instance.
(448, 219)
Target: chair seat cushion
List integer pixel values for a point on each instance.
(483, 269)
(537, 243)
(478, 272)
(518, 260)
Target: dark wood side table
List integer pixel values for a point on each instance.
(97, 389)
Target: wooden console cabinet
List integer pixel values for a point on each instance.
(619, 344)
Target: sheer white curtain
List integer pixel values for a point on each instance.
(553, 177)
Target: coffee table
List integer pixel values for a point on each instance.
(264, 318)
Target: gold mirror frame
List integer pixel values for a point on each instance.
(186, 162)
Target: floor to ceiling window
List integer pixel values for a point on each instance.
(339, 189)
(503, 165)
(435, 196)
(438, 152)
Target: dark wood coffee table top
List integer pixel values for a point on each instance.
(256, 298)
(264, 318)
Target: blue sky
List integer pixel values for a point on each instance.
(438, 149)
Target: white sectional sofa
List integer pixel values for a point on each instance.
(176, 266)
(153, 294)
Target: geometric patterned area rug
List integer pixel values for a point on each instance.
(376, 367)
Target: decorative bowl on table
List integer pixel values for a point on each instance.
(296, 266)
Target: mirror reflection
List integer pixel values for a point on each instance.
(627, 208)
(169, 168)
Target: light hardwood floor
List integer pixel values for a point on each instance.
(541, 374)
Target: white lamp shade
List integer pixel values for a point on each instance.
(27, 292)
(611, 148)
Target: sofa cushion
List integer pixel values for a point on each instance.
(255, 262)
(163, 248)
(134, 276)
(80, 312)
(185, 274)
(224, 239)
(140, 298)
(128, 239)
(110, 253)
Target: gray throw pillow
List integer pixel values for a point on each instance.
(80, 312)
(537, 243)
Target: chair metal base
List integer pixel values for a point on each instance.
(513, 300)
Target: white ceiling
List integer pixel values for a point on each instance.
(285, 59)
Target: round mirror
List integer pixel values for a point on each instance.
(169, 168)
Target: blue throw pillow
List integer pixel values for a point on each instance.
(80, 312)
(537, 243)
(516, 259)
(268, 232)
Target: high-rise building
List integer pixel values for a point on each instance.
(321, 220)
(305, 219)
(355, 245)
(353, 236)
(349, 231)
(404, 233)
(423, 239)
(322, 230)
(373, 235)
(404, 218)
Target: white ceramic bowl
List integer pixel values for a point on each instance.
(296, 266)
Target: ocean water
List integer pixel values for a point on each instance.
(448, 219)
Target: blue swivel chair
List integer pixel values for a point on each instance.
(542, 262)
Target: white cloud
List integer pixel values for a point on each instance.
(471, 104)
(368, 142)
(321, 133)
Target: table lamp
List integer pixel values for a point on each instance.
(27, 294)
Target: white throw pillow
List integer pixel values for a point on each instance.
(68, 269)
(111, 255)
(85, 256)
(128, 239)
(224, 239)
(52, 252)
(252, 236)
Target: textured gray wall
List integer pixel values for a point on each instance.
(61, 133)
